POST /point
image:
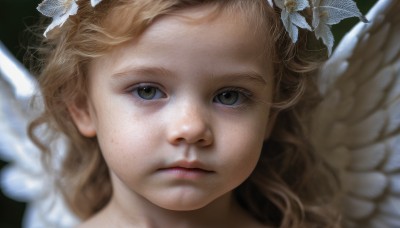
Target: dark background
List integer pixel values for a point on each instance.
(16, 16)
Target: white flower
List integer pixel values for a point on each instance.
(291, 18)
(95, 2)
(60, 10)
(330, 12)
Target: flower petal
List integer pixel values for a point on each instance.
(60, 19)
(280, 4)
(299, 21)
(289, 26)
(324, 31)
(339, 10)
(95, 2)
(316, 17)
(52, 8)
(301, 5)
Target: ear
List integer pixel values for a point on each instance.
(82, 118)
(270, 124)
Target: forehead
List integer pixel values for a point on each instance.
(132, 19)
(198, 30)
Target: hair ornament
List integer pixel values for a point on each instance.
(60, 10)
(325, 14)
(291, 18)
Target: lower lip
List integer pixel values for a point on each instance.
(186, 173)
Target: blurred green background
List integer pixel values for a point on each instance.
(18, 15)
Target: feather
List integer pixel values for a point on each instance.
(392, 45)
(25, 179)
(395, 184)
(357, 208)
(367, 184)
(393, 162)
(367, 158)
(360, 114)
(391, 206)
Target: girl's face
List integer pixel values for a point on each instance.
(181, 113)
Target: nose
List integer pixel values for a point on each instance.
(191, 126)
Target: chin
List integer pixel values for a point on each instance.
(183, 204)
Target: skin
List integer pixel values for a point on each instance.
(180, 115)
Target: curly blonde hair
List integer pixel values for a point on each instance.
(290, 187)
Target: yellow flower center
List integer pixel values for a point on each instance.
(324, 14)
(290, 5)
(67, 4)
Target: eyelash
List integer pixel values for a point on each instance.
(158, 93)
(243, 95)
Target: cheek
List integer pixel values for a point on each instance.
(242, 148)
(246, 147)
(126, 142)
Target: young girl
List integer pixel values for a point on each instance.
(184, 113)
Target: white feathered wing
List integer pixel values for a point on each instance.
(25, 179)
(357, 125)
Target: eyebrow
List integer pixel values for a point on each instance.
(245, 76)
(143, 71)
(234, 76)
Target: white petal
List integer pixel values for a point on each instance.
(301, 5)
(339, 10)
(95, 2)
(52, 8)
(280, 4)
(316, 18)
(299, 21)
(290, 28)
(316, 2)
(59, 20)
(323, 31)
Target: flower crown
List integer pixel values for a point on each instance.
(325, 14)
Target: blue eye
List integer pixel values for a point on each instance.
(227, 98)
(148, 92)
(231, 97)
